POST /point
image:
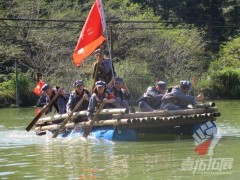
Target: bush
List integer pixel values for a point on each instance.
(136, 76)
(8, 90)
(224, 83)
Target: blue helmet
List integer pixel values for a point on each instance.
(100, 83)
(118, 79)
(162, 84)
(45, 87)
(77, 82)
(186, 84)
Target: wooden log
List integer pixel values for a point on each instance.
(143, 120)
(166, 113)
(79, 113)
(134, 120)
(208, 104)
(82, 124)
(216, 114)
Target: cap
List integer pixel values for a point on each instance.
(97, 51)
(77, 82)
(45, 87)
(186, 84)
(100, 83)
(118, 79)
(162, 84)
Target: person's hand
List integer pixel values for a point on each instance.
(85, 96)
(200, 97)
(90, 117)
(105, 100)
(61, 91)
(46, 108)
(125, 88)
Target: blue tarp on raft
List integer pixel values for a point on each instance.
(115, 134)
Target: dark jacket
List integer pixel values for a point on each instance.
(152, 97)
(75, 98)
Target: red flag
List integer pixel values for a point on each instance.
(38, 89)
(92, 33)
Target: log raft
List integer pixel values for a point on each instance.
(120, 118)
(78, 114)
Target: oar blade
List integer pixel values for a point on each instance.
(59, 130)
(33, 122)
(89, 128)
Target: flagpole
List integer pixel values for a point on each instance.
(109, 48)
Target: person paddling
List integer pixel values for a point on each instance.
(100, 94)
(60, 103)
(77, 94)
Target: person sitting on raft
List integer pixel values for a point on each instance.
(77, 94)
(179, 97)
(99, 96)
(152, 98)
(60, 103)
(121, 93)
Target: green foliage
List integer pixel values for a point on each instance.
(227, 82)
(142, 52)
(223, 75)
(8, 90)
(136, 77)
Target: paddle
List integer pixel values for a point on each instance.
(89, 128)
(59, 130)
(43, 111)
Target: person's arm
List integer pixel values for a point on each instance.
(92, 105)
(110, 98)
(125, 92)
(184, 97)
(110, 84)
(125, 88)
(151, 92)
(49, 109)
(200, 97)
(86, 95)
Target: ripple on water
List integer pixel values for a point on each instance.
(16, 138)
(227, 130)
(6, 173)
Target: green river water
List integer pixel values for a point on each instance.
(23, 155)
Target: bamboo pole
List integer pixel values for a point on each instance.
(83, 124)
(166, 113)
(208, 104)
(79, 113)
